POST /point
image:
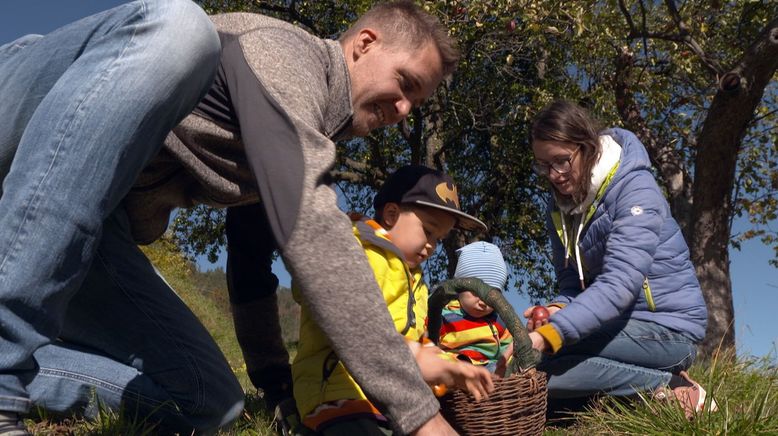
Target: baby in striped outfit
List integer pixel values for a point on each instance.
(471, 329)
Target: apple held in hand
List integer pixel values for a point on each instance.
(539, 315)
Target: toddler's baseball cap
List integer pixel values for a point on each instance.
(425, 186)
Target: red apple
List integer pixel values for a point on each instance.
(539, 315)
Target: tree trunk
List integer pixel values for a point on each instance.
(719, 143)
(674, 177)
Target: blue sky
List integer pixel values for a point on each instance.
(754, 281)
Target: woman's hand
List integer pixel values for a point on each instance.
(533, 323)
(538, 342)
(436, 370)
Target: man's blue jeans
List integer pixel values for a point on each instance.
(623, 358)
(84, 317)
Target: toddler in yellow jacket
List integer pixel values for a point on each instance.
(415, 208)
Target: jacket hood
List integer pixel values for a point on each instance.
(632, 157)
(633, 154)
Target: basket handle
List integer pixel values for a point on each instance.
(524, 356)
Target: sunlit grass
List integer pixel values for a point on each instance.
(745, 390)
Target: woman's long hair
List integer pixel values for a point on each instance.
(564, 121)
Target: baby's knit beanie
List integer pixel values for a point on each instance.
(484, 261)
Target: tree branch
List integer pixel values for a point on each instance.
(628, 17)
(683, 30)
(291, 11)
(358, 172)
(683, 36)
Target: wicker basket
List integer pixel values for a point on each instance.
(518, 404)
(517, 407)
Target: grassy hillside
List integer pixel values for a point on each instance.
(746, 390)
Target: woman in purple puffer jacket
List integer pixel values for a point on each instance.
(630, 311)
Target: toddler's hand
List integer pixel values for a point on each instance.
(435, 370)
(474, 379)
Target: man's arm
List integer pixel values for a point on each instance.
(291, 160)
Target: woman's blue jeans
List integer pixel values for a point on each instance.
(84, 317)
(624, 357)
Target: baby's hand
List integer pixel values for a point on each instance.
(502, 362)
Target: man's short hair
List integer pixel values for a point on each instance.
(404, 23)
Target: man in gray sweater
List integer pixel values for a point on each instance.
(111, 122)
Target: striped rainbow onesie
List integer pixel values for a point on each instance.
(480, 340)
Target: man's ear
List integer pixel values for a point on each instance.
(363, 42)
(390, 214)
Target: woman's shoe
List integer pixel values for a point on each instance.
(690, 394)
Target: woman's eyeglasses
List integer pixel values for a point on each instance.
(562, 166)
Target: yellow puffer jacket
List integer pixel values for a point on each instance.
(318, 374)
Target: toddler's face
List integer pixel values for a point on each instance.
(473, 305)
(417, 232)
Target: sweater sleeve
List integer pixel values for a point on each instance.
(291, 159)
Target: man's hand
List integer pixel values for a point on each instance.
(531, 324)
(434, 427)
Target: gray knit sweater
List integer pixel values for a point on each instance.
(265, 133)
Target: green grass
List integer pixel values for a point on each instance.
(746, 389)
